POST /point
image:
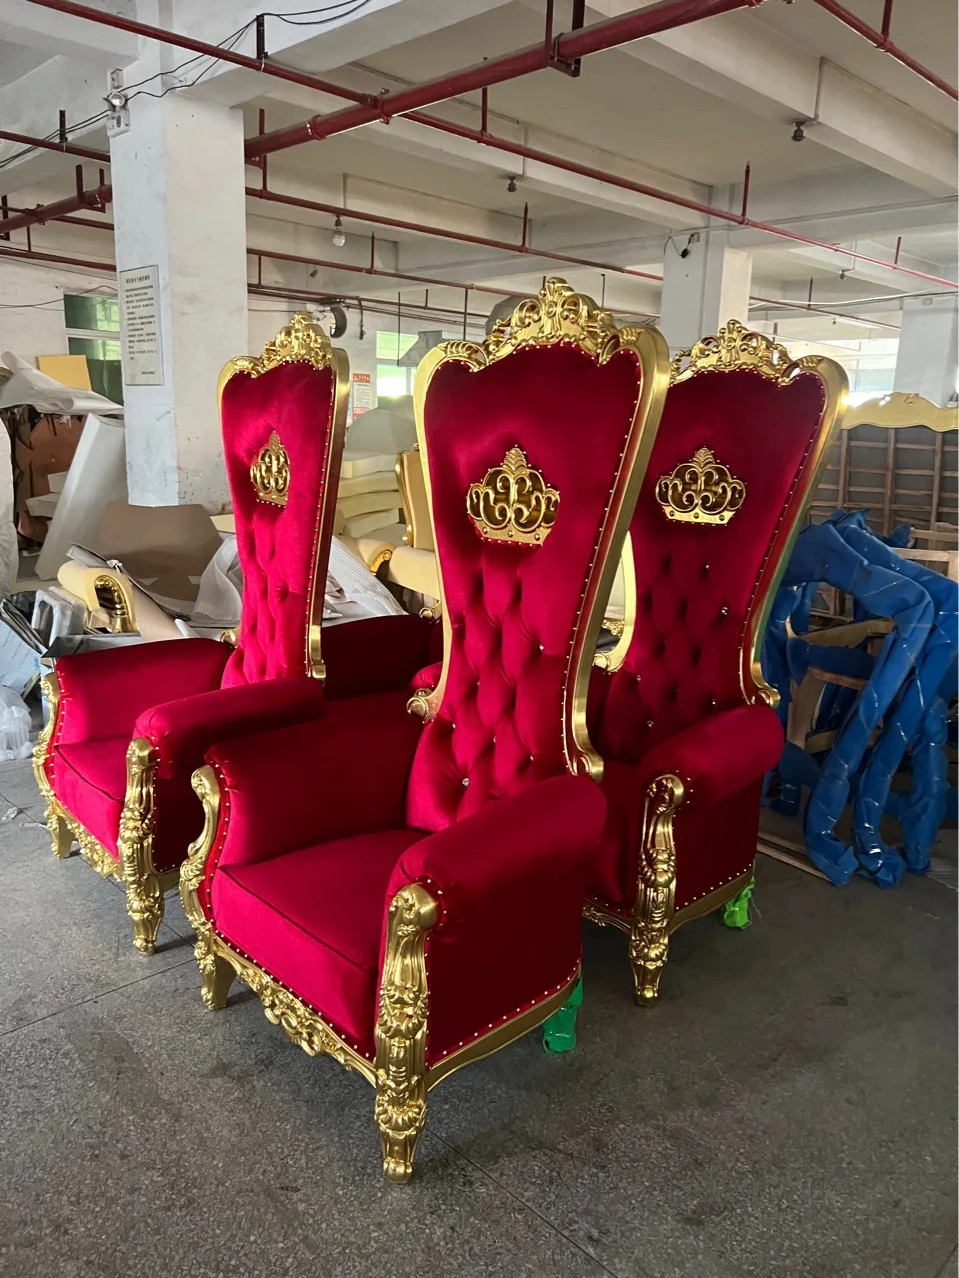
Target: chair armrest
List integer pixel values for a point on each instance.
(311, 782)
(376, 654)
(183, 730)
(102, 694)
(510, 882)
(719, 756)
(427, 678)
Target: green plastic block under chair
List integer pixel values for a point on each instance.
(735, 912)
(559, 1032)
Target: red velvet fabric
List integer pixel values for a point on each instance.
(513, 609)
(500, 946)
(290, 788)
(696, 585)
(280, 547)
(376, 654)
(102, 694)
(91, 784)
(720, 761)
(312, 918)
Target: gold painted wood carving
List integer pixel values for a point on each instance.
(135, 846)
(735, 346)
(900, 409)
(656, 887)
(514, 503)
(400, 1107)
(557, 314)
(270, 473)
(299, 342)
(700, 491)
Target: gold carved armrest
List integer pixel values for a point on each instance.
(105, 592)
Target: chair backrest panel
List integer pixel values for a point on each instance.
(515, 614)
(283, 427)
(700, 584)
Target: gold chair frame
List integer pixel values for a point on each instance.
(654, 918)
(298, 342)
(399, 1072)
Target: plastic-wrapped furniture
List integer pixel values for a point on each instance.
(888, 673)
(414, 916)
(680, 711)
(127, 727)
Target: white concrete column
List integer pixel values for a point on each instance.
(704, 289)
(179, 206)
(926, 362)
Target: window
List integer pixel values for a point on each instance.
(93, 330)
(392, 379)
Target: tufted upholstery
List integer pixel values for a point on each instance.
(697, 590)
(513, 610)
(278, 546)
(696, 584)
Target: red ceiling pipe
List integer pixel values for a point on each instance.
(48, 144)
(57, 259)
(68, 217)
(643, 188)
(264, 65)
(393, 275)
(463, 237)
(664, 16)
(881, 41)
(98, 198)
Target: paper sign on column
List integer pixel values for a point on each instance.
(139, 296)
(362, 393)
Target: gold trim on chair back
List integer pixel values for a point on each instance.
(299, 342)
(732, 349)
(901, 409)
(558, 315)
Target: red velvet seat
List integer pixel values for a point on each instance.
(679, 710)
(129, 726)
(412, 917)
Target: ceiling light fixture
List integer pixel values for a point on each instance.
(116, 100)
(511, 185)
(339, 235)
(799, 133)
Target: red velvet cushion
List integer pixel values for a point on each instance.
(696, 583)
(313, 919)
(721, 762)
(281, 548)
(504, 943)
(89, 779)
(513, 609)
(102, 693)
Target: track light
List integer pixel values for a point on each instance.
(339, 235)
(511, 185)
(799, 133)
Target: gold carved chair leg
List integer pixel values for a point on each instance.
(656, 887)
(400, 1108)
(135, 847)
(60, 833)
(217, 973)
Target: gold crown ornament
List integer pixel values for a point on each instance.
(513, 503)
(270, 473)
(700, 491)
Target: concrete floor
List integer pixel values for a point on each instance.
(785, 1112)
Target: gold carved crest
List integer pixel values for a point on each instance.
(270, 473)
(513, 503)
(735, 347)
(700, 491)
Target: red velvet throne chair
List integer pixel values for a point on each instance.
(432, 913)
(127, 727)
(679, 710)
